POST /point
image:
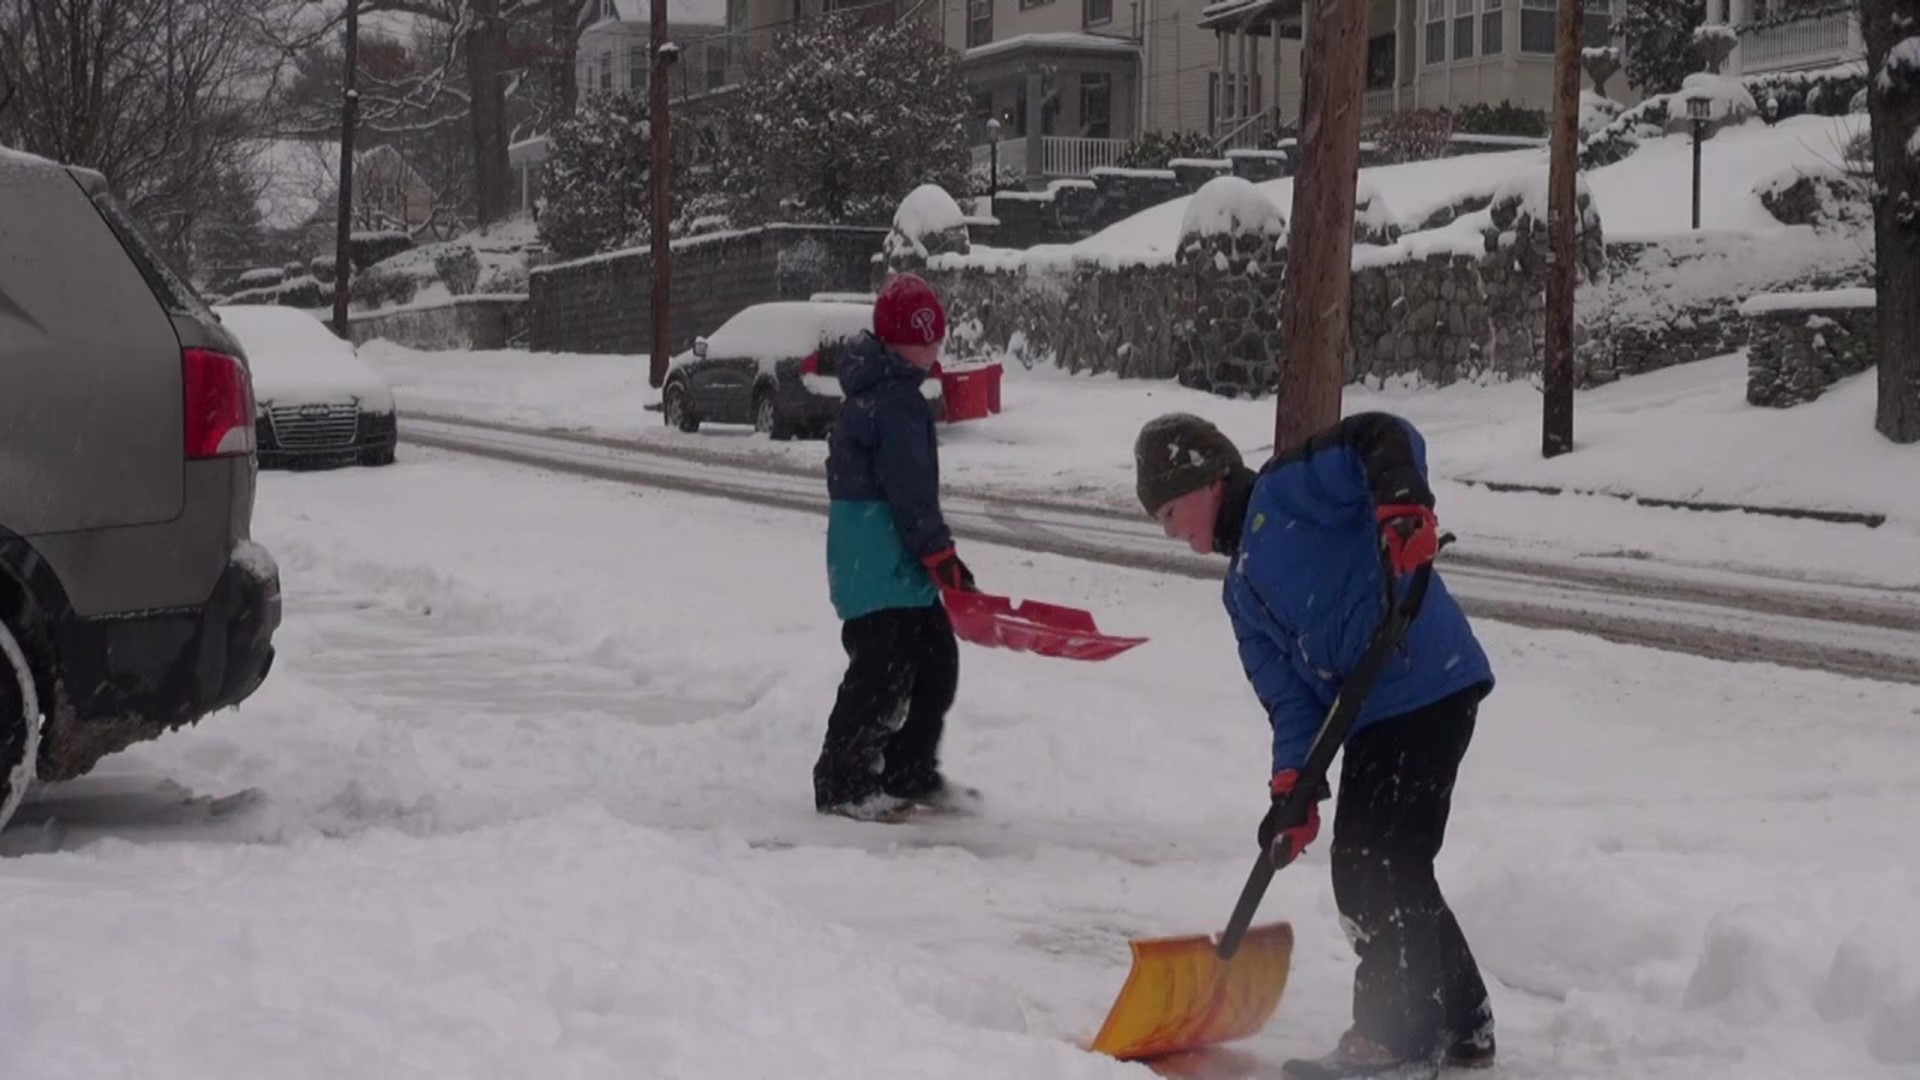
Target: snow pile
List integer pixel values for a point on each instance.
(1231, 205)
(1828, 300)
(927, 212)
(1648, 194)
(1727, 98)
(1597, 112)
(1532, 191)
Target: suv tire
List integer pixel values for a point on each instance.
(19, 724)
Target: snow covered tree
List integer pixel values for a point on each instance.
(598, 177)
(1892, 32)
(1661, 50)
(839, 121)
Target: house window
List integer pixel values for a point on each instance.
(1096, 106)
(716, 63)
(609, 9)
(736, 34)
(979, 22)
(637, 69)
(1380, 56)
(1538, 19)
(1463, 29)
(1096, 12)
(1241, 92)
(606, 72)
(1436, 32)
(1493, 27)
(1597, 28)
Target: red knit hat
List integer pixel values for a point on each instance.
(908, 313)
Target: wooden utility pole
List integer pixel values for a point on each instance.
(1320, 263)
(343, 224)
(1890, 27)
(660, 180)
(1563, 214)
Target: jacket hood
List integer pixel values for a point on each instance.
(868, 362)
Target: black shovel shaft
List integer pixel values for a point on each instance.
(1333, 733)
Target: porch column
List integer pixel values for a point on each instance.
(1741, 14)
(1273, 92)
(1036, 145)
(1397, 6)
(1220, 96)
(1248, 66)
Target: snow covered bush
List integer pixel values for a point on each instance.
(381, 288)
(1825, 92)
(928, 223)
(458, 268)
(1159, 149)
(1415, 135)
(1505, 118)
(1661, 50)
(839, 121)
(596, 184)
(1596, 112)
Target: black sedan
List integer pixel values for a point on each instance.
(772, 366)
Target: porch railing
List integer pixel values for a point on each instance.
(1249, 134)
(1379, 104)
(1060, 156)
(1074, 156)
(1816, 40)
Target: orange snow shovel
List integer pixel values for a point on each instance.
(1185, 993)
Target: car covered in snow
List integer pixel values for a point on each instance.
(316, 403)
(774, 366)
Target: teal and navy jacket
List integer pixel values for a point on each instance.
(1305, 591)
(883, 476)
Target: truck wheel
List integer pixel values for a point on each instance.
(19, 724)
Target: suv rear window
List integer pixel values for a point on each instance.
(173, 292)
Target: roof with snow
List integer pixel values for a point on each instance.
(1254, 16)
(697, 12)
(1063, 43)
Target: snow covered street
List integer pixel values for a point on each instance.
(527, 795)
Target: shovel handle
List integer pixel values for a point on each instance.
(1250, 897)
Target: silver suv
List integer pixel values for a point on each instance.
(131, 600)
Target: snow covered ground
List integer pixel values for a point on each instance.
(532, 799)
(1685, 433)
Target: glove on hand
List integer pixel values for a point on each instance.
(1282, 842)
(949, 572)
(1411, 534)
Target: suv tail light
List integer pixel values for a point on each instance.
(811, 365)
(219, 405)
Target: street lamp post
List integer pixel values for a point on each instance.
(993, 161)
(1698, 111)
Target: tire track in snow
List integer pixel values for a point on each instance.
(1835, 629)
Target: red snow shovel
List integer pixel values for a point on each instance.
(1043, 629)
(1186, 993)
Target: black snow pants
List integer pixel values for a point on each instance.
(1417, 988)
(883, 736)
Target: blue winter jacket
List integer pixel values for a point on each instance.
(883, 477)
(1305, 590)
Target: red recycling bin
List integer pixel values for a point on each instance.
(971, 392)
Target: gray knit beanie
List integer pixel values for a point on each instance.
(1180, 453)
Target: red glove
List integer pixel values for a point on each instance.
(1411, 534)
(1283, 842)
(949, 572)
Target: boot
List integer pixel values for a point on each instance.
(1474, 1050)
(1358, 1056)
(940, 796)
(883, 809)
